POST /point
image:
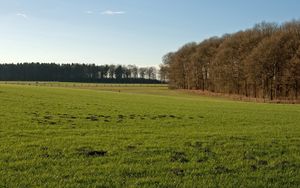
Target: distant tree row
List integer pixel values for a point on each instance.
(78, 73)
(262, 62)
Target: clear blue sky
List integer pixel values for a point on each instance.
(123, 31)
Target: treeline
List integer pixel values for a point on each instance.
(78, 73)
(261, 62)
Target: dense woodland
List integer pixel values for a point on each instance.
(261, 62)
(77, 73)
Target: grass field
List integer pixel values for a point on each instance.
(79, 135)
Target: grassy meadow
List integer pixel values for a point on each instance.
(103, 135)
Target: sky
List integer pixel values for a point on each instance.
(123, 32)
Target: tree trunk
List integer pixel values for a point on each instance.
(246, 89)
(286, 90)
(271, 90)
(296, 88)
(255, 92)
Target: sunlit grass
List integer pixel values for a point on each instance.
(72, 134)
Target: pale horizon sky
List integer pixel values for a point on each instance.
(123, 31)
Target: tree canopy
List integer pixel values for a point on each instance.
(77, 73)
(262, 62)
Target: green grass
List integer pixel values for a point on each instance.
(79, 135)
